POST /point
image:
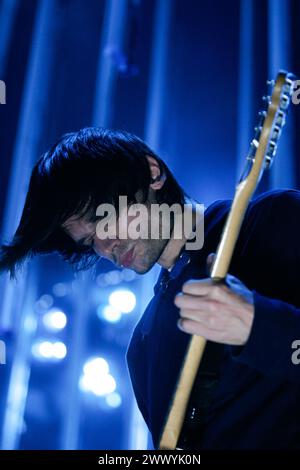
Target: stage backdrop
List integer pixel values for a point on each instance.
(185, 75)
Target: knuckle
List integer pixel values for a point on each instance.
(212, 304)
(220, 290)
(212, 307)
(182, 323)
(189, 285)
(215, 290)
(212, 321)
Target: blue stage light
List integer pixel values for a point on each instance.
(59, 350)
(113, 400)
(113, 277)
(96, 378)
(44, 303)
(49, 350)
(44, 349)
(122, 300)
(60, 289)
(55, 320)
(109, 313)
(96, 365)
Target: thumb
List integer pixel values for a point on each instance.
(209, 262)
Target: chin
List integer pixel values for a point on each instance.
(141, 269)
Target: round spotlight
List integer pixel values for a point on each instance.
(128, 275)
(44, 303)
(104, 386)
(96, 366)
(113, 400)
(98, 386)
(96, 379)
(45, 349)
(46, 300)
(59, 350)
(48, 350)
(113, 277)
(109, 313)
(55, 320)
(122, 300)
(60, 289)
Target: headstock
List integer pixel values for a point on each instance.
(268, 130)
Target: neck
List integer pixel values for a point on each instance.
(171, 253)
(173, 248)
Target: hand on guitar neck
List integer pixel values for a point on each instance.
(222, 312)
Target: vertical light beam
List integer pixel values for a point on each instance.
(279, 13)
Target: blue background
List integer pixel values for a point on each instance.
(185, 75)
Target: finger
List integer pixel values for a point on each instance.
(195, 328)
(207, 320)
(197, 286)
(207, 288)
(195, 302)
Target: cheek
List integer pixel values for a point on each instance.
(143, 251)
(105, 248)
(133, 226)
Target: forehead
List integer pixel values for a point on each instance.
(78, 227)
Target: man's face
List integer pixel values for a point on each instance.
(137, 254)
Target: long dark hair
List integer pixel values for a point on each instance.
(82, 170)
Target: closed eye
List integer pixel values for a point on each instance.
(86, 242)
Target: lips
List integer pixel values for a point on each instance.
(127, 258)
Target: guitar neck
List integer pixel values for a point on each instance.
(262, 151)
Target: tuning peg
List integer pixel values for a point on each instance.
(285, 101)
(270, 154)
(257, 133)
(261, 118)
(288, 89)
(280, 120)
(272, 147)
(289, 81)
(268, 161)
(276, 132)
(270, 82)
(267, 99)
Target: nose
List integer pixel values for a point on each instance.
(105, 248)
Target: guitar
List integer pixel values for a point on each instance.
(260, 157)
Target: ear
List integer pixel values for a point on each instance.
(157, 178)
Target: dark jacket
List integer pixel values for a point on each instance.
(255, 402)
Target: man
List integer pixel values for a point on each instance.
(247, 389)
